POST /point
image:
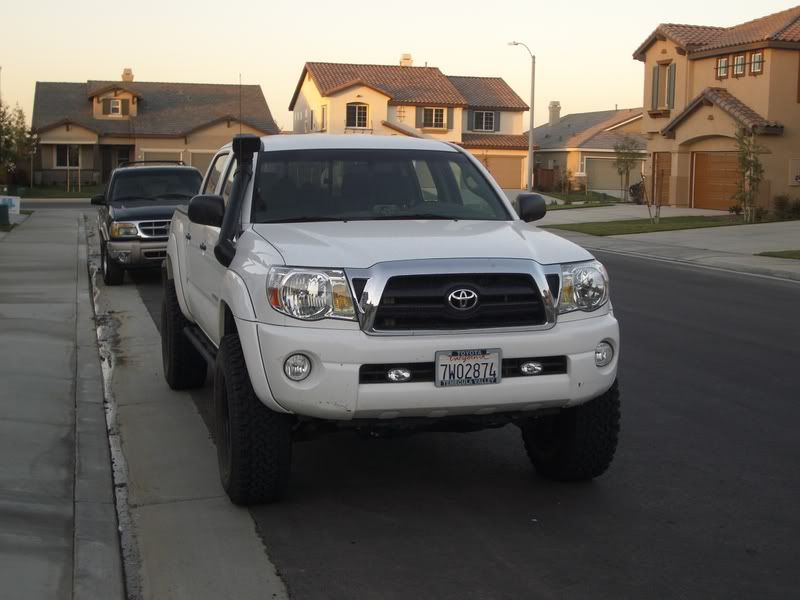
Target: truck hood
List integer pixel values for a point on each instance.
(142, 211)
(361, 244)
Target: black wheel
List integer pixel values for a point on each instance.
(578, 443)
(254, 443)
(184, 366)
(112, 271)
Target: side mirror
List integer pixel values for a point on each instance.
(99, 199)
(532, 207)
(207, 210)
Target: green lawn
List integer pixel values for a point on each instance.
(782, 254)
(87, 191)
(571, 206)
(645, 226)
(582, 197)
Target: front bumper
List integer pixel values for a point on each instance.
(136, 253)
(333, 391)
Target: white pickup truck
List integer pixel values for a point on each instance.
(386, 285)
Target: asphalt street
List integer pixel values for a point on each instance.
(701, 501)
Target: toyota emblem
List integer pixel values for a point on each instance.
(463, 299)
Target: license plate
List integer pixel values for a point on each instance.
(467, 367)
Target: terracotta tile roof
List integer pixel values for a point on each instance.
(403, 85)
(781, 27)
(731, 105)
(490, 93)
(164, 109)
(494, 141)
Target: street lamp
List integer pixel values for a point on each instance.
(530, 128)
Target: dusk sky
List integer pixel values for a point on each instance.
(583, 48)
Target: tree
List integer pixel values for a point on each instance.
(17, 142)
(751, 172)
(626, 157)
(6, 143)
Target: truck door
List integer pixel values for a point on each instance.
(204, 290)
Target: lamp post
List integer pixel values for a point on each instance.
(530, 128)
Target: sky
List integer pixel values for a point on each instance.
(583, 48)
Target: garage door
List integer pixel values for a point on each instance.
(602, 176)
(716, 179)
(168, 156)
(507, 171)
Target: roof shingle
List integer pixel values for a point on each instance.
(578, 129)
(494, 141)
(164, 109)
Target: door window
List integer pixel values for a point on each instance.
(214, 174)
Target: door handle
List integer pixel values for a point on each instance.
(188, 235)
(203, 246)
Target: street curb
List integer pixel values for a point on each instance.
(97, 566)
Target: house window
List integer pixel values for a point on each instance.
(663, 92)
(433, 117)
(483, 120)
(323, 124)
(738, 65)
(115, 107)
(356, 115)
(757, 62)
(722, 67)
(68, 156)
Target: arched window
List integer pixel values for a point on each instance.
(357, 114)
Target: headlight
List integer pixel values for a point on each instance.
(584, 286)
(124, 230)
(310, 294)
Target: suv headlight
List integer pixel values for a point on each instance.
(124, 230)
(310, 294)
(584, 286)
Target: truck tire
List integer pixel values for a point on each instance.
(576, 444)
(254, 443)
(184, 366)
(112, 271)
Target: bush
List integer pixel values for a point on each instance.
(781, 207)
(794, 209)
(636, 192)
(736, 209)
(759, 212)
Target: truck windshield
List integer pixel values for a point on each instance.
(350, 185)
(147, 185)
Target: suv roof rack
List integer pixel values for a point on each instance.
(131, 163)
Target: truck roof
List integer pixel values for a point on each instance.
(322, 141)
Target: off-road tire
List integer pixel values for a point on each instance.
(184, 366)
(254, 443)
(576, 444)
(112, 271)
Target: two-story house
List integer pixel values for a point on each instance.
(482, 114)
(86, 129)
(702, 85)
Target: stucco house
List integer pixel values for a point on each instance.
(702, 84)
(86, 129)
(581, 147)
(482, 114)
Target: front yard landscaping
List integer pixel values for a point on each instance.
(782, 254)
(57, 191)
(645, 226)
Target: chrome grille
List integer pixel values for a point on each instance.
(154, 228)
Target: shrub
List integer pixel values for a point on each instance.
(759, 212)
(794, 209)
(736, 209)
(781, 207)
(567, 200)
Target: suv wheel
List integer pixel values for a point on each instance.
(576, 444)
(184, 366)
(112, 271)
(254, 443)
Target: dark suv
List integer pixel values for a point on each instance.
(135, 212)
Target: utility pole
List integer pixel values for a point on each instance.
(531, 181)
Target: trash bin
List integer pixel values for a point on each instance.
(4, 215)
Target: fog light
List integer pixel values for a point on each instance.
(297, 367)
(398, 375)
(603, 354)
(531, 368)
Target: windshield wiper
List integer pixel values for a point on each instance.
(420, 217)
(305, 220)
(173, 195)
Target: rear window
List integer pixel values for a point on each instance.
(165, 185)
(325, 185)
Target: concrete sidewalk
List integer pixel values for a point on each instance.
(58, 527)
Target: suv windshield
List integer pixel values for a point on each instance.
(345, 185)
(162, 185)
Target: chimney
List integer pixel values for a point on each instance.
(405, 60)
(127, 74)
(555, 112)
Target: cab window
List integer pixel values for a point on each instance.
(214, 174)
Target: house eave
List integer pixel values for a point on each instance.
(712, 52)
